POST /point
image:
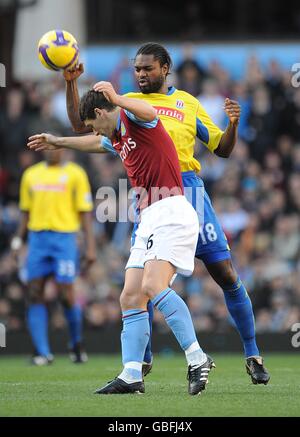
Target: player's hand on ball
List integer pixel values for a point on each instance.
(233, 110)
(74, 73)
(108, 91)
(42, 142)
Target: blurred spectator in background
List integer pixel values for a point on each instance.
(189, 73)
(262, 123)
(239, 92)
(123, 77)
(211, 99)
(13, 136)
(58, 103)
(45, 121)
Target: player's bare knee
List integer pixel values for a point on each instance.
(123, 300)
(130, 299)
(150, 288)
(67, 302)
(228, 275)
(67, 295)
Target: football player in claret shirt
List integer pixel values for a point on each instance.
(184, 119)
(55, 199)
(166, 237)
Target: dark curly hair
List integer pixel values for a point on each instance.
(91, 100)
(159, 52)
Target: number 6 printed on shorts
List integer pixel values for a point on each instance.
(150, 242)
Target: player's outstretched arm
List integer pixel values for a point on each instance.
(141, 109)
(72, 99)
(86, 143)
(229, 137)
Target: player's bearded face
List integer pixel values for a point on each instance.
(149, 74)
(153, 85)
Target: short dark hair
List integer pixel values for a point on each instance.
(91, 100)
(159, 52)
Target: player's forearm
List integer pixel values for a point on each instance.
(87, 227)
(72, 97)
(228, 141)
(139, 108)
(22, 228)
(86, 143)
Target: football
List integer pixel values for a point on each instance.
(58, 50)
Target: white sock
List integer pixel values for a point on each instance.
(194, 355)
(132, 372)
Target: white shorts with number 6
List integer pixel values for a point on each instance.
(168, 231)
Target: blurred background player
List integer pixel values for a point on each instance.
(185, 119)
(55, 201)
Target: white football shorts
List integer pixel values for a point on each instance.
(168, 231)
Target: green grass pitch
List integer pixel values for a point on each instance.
(65, 389)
